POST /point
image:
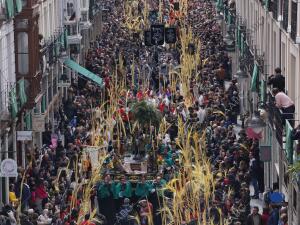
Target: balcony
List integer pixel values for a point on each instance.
(74, 37)
(275, 118)
(85, 24)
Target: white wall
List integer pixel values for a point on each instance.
(7, 60)
(50, 19)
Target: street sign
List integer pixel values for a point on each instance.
(147, 38)
(38, 123)
(170, 35)
(157, 34)
(8, 168)
(24, 135)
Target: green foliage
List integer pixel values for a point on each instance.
(294, 169)
(146, 114)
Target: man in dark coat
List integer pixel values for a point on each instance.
(277, 80)
(254, 218)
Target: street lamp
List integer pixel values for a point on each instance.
(256, 123)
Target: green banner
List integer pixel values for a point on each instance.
(22, 93)
(28, 121)
(238, 37)
(19, 6)
(289, 143)
(253, 86)
(43, 104)
(242, 44)
(266, 3)
(10, 10)
(13, 102)
(262, 91)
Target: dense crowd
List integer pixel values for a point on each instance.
(45, 189)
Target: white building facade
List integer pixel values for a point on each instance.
(7, 86)
(272, 30)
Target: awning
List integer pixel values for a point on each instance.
(254, 78)
(84, 72)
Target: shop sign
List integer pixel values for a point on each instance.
(24, 135)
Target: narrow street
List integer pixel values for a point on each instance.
(147, 126)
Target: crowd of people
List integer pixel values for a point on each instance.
(44, 191)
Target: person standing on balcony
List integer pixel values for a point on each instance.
(277, 80)
(286, 104)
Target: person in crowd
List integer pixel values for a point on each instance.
(254, 218)
(274, 216)
(254, 171)
(123, 190)
(105, 195)
(284, 103)
(265, 216)
(277, 80)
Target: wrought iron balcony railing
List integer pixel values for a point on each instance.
(275, 118)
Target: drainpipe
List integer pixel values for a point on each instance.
(6, 186)
(1, 191)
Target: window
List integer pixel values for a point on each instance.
(285, 176)
(275, 9)
(84, 17)
(295, 199)
(294, 21)
(70, 9)
(285, 14)
(83, 4)
(23, 59)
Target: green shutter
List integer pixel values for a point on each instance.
(13, 102)
(22, 93)
(10, 8)
(289, 143)
(19, 6)
(43, 104)
(28, 121)
(254, 78)
(263, 91)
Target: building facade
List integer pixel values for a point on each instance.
(10, 89)
(268, 35)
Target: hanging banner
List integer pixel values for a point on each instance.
(157, 34)
(170, 35)
(8, 168)
(147, 38)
